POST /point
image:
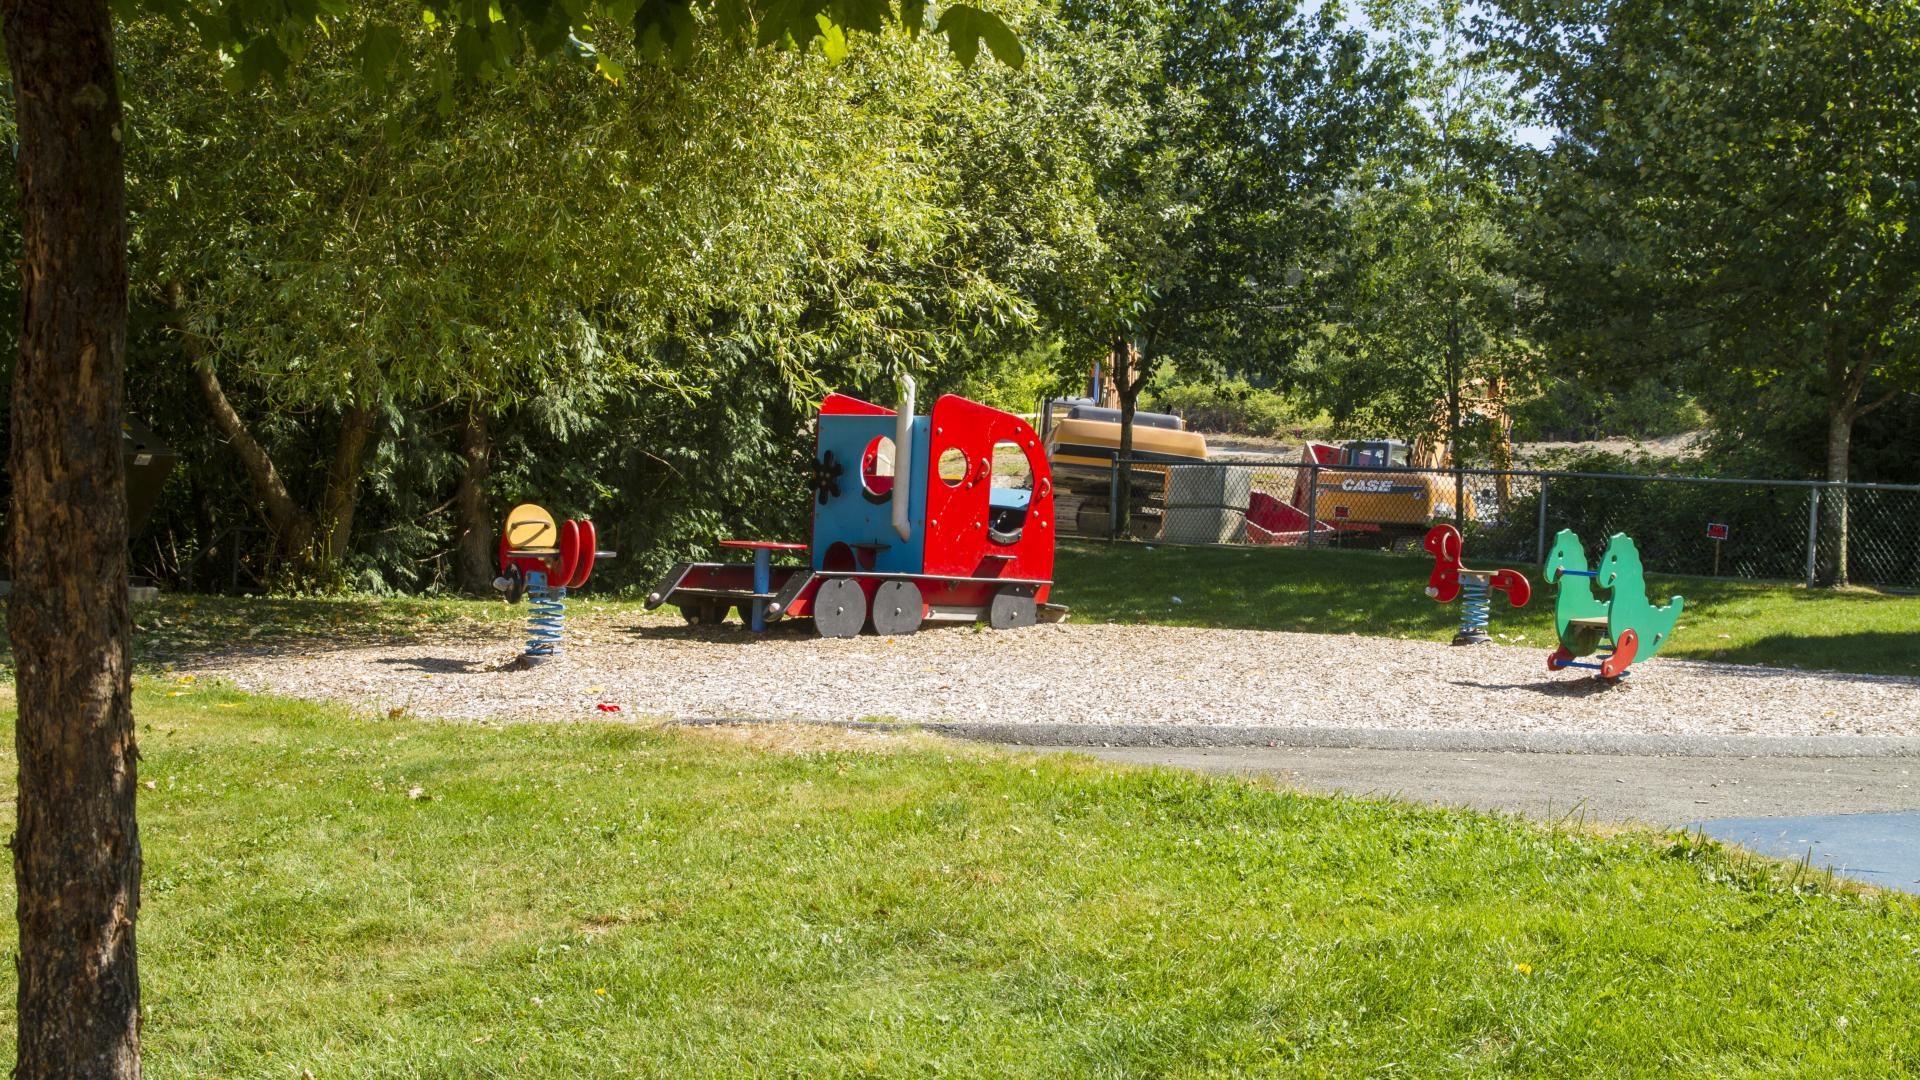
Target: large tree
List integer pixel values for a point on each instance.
(1423, 328)
(1733, 193)
(1217, 194)
(536, 242)
(76, 850)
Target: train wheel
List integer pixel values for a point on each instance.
(1010, 609)
(898, 608)
(703, 613)
(839, 608)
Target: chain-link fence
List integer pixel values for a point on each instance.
(1784, 530)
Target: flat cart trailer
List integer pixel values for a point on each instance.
(842, 602)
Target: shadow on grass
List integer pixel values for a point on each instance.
(1775, 654)
(177, 628)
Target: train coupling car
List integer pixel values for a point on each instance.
(944, 517)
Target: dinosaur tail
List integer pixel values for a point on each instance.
(1660, 624)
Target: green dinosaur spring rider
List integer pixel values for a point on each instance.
(1605, 608)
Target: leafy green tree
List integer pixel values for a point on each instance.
(538, 238)
(77, 848)
(1425, 327)
(1732, 195)
(1238, 127)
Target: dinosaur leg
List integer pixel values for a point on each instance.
(1624, 647)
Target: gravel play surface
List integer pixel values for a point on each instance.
(1074, 673)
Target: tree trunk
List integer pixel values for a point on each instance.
(1125, 354)
(1455, 376)
(1845, 383)
(475, 560)
(342, 495)
(1833, 540)
(76, 847)
(292, 525)
(310, 545)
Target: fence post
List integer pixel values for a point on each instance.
(1540, 541)
(1113, 500)
(1813, 532)
(1313, 500)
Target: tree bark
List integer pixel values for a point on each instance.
(342, 495)
(76, 848)
(1455, 376)
(475, 560)
(1832, 560)
(1845, 383)
(1125, 356)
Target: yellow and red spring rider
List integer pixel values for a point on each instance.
(541, 560)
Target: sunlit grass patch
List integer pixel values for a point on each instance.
(371, 897)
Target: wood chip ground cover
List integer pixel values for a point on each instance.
(1094, 674)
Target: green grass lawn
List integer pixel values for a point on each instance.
(1353, 592)
(358, 898)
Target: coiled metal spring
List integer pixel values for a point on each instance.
(546, 616)
(1476, 605)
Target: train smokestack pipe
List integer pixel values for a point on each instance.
(903, 459)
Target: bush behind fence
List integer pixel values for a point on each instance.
(1779, 530)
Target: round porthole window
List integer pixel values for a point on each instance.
(876, 468)
(953, 466)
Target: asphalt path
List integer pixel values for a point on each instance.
(1849, 803)
(1652, 789)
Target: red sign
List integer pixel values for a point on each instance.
(1716, 531)
(1339, 512)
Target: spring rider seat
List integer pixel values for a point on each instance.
(541, 561)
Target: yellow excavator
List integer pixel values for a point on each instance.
(1361, 496)
(1083, 438)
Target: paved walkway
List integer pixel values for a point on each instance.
(1879, 849)
(1655, 790)
(1859, 816)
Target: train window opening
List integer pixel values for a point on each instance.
(953, 466)
(1011, 493)
(876, 469)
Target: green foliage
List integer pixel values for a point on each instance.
(1235, 407)
(556, 900)
(643, 289)
(265, 37)
(1427, 312)
(1216, 168)
(1730, 195)
(1570, 410)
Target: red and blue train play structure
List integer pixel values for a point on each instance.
(909, 527)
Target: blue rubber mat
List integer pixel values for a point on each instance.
(1879, 849)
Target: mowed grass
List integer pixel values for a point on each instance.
(1353, 592)
(342, 897)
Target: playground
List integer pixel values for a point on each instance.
(655, 667)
